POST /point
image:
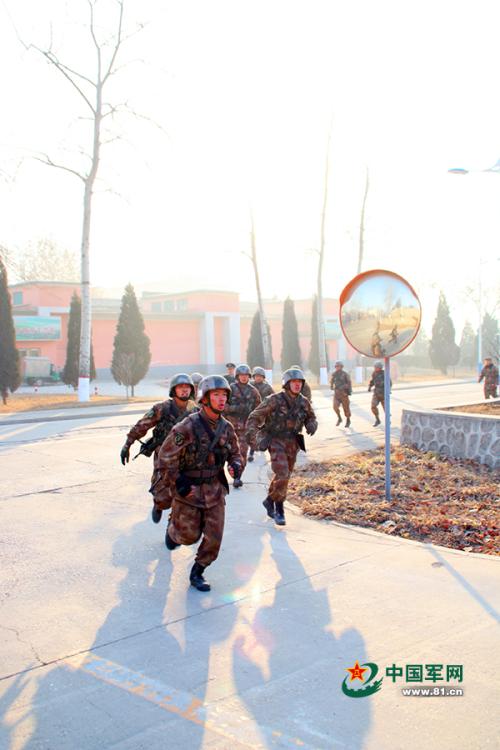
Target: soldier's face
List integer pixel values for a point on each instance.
(258, 378)
(230, 371)
(218, 399)
(182, 391)
(296, 386)
(244, 379)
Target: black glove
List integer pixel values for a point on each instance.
(125, 454)
(369, 389)
(311, 430)
(236, 470)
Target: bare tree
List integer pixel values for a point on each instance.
(362, 223)
(264, 328)
(44, 261)
(91, 91)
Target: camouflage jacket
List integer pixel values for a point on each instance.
(377, 383)
(280, 415)
(340, 381)
(264, 388)
(195, 451)
(161, 418)
(244, 399)
(490, 375)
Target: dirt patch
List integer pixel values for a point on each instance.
(451, 502)
(37, 401)
(489, 407)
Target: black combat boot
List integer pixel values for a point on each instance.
(156, 513)
(170, 542)
(196, 578)
(377, 422)
(279, 514)
(339, 421)
(250, 455)
(348, 422)
(269, 506)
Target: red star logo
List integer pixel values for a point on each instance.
(356, 672)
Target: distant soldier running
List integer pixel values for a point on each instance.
(265, 389)
(243, 400)
(161, 418)
(192, 461)
(276, 425)
(490, 375)
(377, 382)
(340, 384)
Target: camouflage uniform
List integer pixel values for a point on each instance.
(191, 462)
(490, 375)
(377, 383)
(340, 383)
(277, 421)
(161, 417)
(264, 388)
(244, 399)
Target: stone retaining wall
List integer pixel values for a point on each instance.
(453, 434)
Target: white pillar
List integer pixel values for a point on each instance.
(208, 340)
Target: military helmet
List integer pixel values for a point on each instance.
(196, 377)
(293, 373)
(242, 370)
(338, 363)
(378, 365)
(212, 383)
(259, 371)
(182, 378)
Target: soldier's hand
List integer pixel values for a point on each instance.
(311, 429)
(125, 454)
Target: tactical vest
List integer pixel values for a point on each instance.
(378, 381)
(340, 380)
(170, 416)
(264, 388)
(287, 419)
(205, 457)
(243, 400)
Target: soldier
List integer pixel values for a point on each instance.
(340, 384)
(265, 389)
(162, 418)
(377, 383)
(196, 377)
(230, 372)
(490, 375)
(276, 425)
(192, 462)
(306, 388)
(243, 400)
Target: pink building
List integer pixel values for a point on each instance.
(199, 329)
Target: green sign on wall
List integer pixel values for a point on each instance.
(37, 328)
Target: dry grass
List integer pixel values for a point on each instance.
(451, 502)
(37, 401)
(490, 407)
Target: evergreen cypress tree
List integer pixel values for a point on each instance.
(468, 347)
(70, 371)
(314, 353)
(489, 335)
(290, 354)
(442, 348)
(255, 349)
(10, 369)
(131, 353)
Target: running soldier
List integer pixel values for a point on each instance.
(265, 389)
(490, 375)
(243, 400)
(378, 384)
(192, 462)
(276, 425)
(340, 384)
(161, 418)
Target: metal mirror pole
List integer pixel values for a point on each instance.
(387, 404)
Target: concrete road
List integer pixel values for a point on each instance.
(103, 645)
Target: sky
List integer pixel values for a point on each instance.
(240, 104)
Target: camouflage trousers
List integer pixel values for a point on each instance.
(283, 455)
(340, 398)
(240, 430)
(188, 523)
(490, 390)
(377, 398)
(162, 495)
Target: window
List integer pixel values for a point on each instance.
(181, 304)
(17, 298)
(168, 305)
(156, 306)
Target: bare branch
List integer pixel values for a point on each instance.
(48, 161)
(76, 73)
(53, 60)
(117, 44)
